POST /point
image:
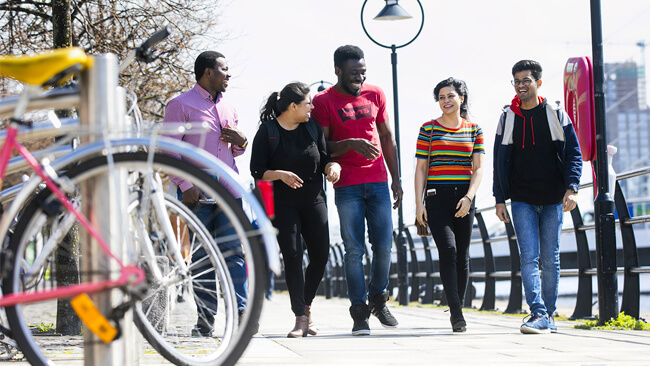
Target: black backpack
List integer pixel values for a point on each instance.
(274, 134)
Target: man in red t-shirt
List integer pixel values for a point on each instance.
(353, 118)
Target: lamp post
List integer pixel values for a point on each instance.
(321, 87)
(604, 202)
(393, 11)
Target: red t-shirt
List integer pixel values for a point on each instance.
(347, 117)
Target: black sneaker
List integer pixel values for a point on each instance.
(201, 332)
(360, 314)
(203, 327)
(378, 308)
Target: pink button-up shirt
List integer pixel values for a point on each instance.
(196, 105)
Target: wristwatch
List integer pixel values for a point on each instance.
(573, 188)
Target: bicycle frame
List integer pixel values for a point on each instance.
(131, 275)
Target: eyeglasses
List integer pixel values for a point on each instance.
(526, 82)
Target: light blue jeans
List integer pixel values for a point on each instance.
(538, 235)
(357, 204)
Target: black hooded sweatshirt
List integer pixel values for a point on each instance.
(536, 177)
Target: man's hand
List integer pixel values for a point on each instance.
(365, 148)
(397, 193)
(233, 136)
(502, 213)
(570, 201)
(192, 196)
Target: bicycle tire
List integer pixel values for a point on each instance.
(226, 350)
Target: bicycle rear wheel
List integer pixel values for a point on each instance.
(167, 327)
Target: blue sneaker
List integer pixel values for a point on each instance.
(537, 324)
(551, 324)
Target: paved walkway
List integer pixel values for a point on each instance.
(423, 338)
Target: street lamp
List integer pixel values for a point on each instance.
(604, 201)
(321, 87)
(393, 11)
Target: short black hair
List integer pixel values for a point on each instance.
(347, 52)
(206, 60)
(523, 65)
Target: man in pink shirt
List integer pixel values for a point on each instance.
(353, 118)
(205, 103)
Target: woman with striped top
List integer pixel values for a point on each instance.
(454, 172)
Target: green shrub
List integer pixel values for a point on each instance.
(622, 322)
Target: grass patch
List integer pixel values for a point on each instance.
(45, 327)
(622, 322)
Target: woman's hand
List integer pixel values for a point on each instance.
(420, 213)
(463, 207)
(333, 172)
(290, 179)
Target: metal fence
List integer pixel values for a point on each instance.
(423, 284)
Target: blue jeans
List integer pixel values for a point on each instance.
(218, 224)
(356, 204)
(538, 235)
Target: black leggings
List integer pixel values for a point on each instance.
(310, 221)
(452, 236)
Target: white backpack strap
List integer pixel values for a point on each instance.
(554, 123)
(508, 127)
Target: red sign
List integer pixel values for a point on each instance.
(579, 102)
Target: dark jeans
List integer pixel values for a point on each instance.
(311, 221)
(218, 224)
(452, 236)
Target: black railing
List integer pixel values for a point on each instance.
(424, 277)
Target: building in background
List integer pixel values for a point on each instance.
(628, 128)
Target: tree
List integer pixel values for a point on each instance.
(118, 26)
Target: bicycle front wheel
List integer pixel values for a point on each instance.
(195, 283)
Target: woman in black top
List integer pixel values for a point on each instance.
(290, 148)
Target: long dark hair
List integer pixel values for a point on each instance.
(461, 89)
(279, 102)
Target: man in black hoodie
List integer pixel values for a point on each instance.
(537, 164)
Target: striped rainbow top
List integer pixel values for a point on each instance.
(451, 151)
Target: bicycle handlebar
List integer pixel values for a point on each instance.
(144, 51)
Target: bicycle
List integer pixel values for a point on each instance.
(154, 268)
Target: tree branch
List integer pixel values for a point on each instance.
(39, 14)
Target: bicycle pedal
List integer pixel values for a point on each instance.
(93, 319)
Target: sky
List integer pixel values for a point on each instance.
(271, 43)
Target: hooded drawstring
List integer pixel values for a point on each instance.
(532, 131)
(515, 107)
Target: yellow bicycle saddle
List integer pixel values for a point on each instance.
(48, 68)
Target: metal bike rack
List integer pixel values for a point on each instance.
(103, 108)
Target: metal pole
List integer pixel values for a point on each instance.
(104, 110)
(400, 242)
(604, 202)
